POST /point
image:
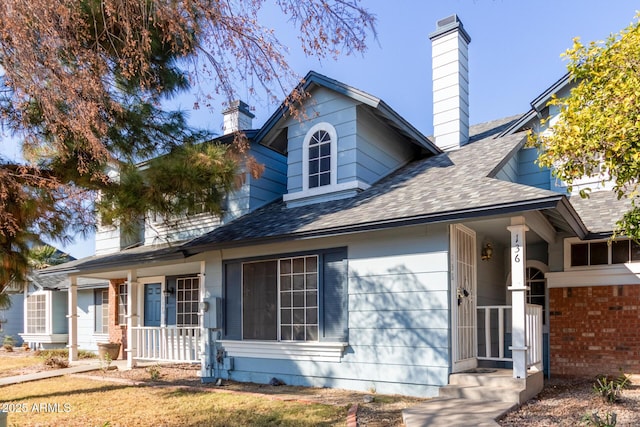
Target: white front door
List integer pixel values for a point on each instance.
(463, 285)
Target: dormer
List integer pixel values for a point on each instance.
(348, 141)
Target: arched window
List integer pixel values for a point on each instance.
(319, 157)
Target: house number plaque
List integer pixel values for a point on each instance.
(517, 248)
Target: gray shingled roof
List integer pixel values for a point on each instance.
(600, 210)
(443, 187)
(141, 254)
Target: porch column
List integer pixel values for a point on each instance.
(73, 319)
(204, 336)
(133, 319)
(518, 290)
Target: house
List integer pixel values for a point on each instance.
(370, 256)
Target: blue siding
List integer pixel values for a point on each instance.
(388, 377)
(529, 173)
(509, 171)
(380, 150)
(13, 319)
(273, 182)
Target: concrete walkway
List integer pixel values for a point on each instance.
(76, 368)
(455, 413)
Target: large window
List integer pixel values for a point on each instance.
(102, 311)
(280, 299)
(36, 314)
(604, 253)
(122, 304)
(187, 299)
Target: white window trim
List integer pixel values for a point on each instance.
(316, 351)
(601, 275)
(345, 186)
(45, 338)
(327, 127)
(48, 302)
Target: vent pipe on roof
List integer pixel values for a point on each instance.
(450, 44)
(237, 117)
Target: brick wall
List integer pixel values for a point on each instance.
(594, 330)
(117, 333)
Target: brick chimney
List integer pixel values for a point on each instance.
(450, 44)
(237, 117)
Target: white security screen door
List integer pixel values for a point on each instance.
(463, 281)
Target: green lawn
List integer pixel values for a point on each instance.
(73, 401)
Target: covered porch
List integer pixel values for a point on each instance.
(155, 310)
(499, 298)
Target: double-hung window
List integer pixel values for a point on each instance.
(102, 311)
(280, 299)
(187, 300)
(37, 314)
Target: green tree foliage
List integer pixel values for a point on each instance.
(598, 131)
(83, 84)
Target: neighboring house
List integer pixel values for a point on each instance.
(386, 259)
(12, 318)
(37, 315)
(44, 309)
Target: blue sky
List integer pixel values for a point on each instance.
(514, 55)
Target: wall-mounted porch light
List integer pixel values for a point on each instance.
(169, 291)
(487, 252)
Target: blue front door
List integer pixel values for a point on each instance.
(152, 299)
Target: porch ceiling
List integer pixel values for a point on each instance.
(168, 269)
(495, 229)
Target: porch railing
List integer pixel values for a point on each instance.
(533, 335)
(494, 333)
(167, 343)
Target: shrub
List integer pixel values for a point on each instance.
(8, 342)
(611, 389)
(154, 372)
(594, 419)
(56, 362)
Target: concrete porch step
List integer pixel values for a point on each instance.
(489, 377)
(488, 384)
(483, 393)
